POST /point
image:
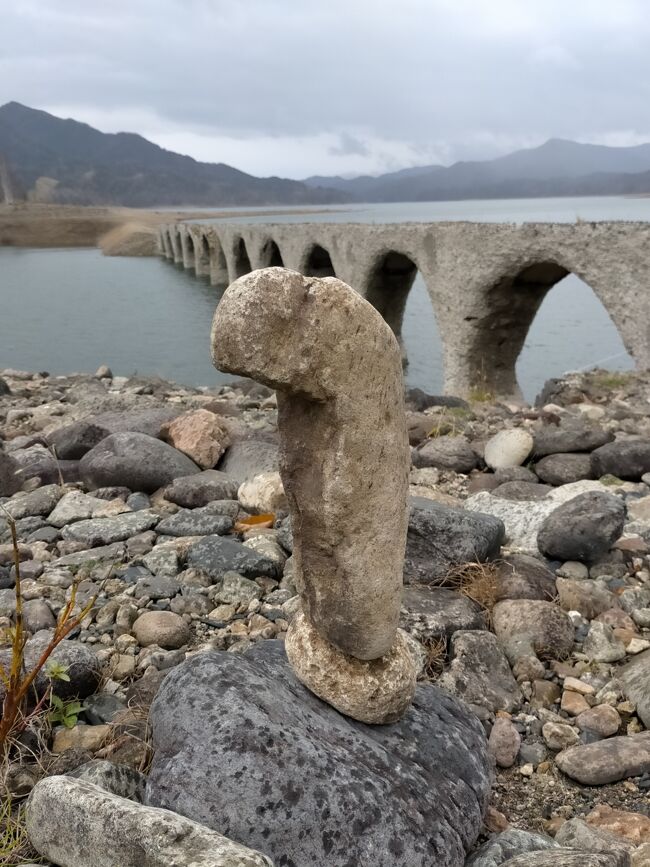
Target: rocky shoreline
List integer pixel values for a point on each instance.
(527, 592)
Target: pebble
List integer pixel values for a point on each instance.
(504, 742)
(163, 628)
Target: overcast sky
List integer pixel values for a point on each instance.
(299, 87)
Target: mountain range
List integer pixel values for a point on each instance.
(64, 161)
(46, 158)
(556, 168)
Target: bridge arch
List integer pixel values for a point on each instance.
(241, 259)
(270, 256)
(318, 263)
(497, 338)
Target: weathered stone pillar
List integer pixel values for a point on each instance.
(165, 243)
(175, 240)
(187, 247)
(336, 367)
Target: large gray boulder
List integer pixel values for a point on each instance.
(440, 538)
(241, 746)
(76, 823)
(626, 459)
(572, 434)
(584, 528)
(72, 441)
(135, 460)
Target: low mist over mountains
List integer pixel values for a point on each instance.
(556, 168)
(45, 158)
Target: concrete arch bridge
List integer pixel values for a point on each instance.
(486, 281)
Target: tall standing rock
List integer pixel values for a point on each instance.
(336, 367)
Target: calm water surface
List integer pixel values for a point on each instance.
(71, 310)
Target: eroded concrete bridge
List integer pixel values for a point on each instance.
(486, 281)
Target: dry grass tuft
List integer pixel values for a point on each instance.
(478, 582)
(435, 655)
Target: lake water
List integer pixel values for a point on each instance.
(72, 310)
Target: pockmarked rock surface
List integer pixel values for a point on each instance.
(75, 823)
(135, 460)
(307, 785)
(336, 367)
(376, 691)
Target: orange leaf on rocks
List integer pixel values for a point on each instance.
(266, 520)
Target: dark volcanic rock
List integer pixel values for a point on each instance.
(135, 460)
(571, 435)
(147, 420)
(72, 441)
(4, 387)
(627, 459)
(37, 462)
(523, 577)
(307, 785)
(584, 528)
(564, 468)
(479, 672)
(436, 612)
(202, 488)
(446, 453)
(420, 400)
(82, 667)
(215, 556)
(194, 522)
(10, 482)
(246, 459)
(440, 538)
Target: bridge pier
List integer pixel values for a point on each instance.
(187, 248)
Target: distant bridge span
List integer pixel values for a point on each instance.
(486, 281)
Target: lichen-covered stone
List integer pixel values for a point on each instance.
(307, 785)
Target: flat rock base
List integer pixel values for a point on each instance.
(242, 747)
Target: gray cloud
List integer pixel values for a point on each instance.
(276, 86)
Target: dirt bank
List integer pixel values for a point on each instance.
(37, 225)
